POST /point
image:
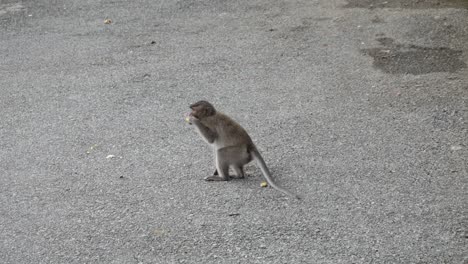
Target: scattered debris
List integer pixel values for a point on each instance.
(159, 232)
(455, 148)
(91, 148)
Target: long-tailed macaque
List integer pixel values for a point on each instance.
(232, 146)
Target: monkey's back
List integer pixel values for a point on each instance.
(230, 133)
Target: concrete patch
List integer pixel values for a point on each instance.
(396, 58)
(416, 4)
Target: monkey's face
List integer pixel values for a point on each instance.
(202, 109)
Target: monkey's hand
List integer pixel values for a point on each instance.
(191, 119)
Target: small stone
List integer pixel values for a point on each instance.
(455, 148)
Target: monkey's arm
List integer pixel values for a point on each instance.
(204, 131)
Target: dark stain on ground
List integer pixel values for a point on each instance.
(396, 58)
(416, 4)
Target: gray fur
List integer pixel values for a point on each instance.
(232, 146)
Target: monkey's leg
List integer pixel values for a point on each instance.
(222, 166)
(216, 170)
(223, 174)
(239, 172)
(240, 156)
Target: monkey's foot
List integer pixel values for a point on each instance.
(215, 178)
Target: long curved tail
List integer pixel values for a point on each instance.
(266, 173)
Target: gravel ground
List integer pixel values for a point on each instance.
(359, 107)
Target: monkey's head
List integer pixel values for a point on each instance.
(202, 109)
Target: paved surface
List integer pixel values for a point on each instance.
(359, 107)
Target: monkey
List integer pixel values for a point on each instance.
(231, 144)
